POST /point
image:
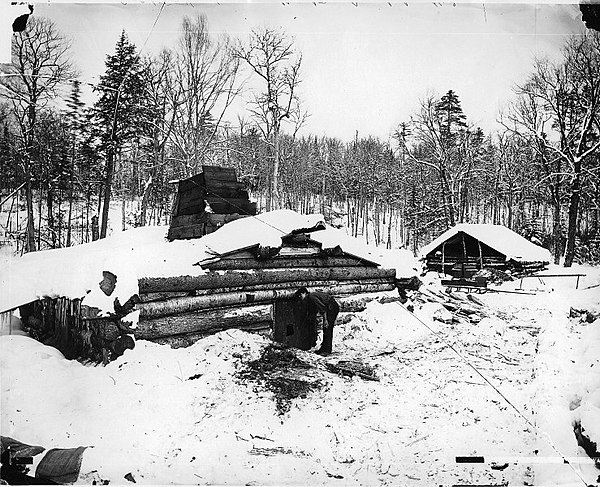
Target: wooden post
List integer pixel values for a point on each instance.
(443, 257)
(480, 255)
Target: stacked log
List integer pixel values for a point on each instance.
(180, 310)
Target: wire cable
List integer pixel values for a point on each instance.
(283, 232)
(545, 435)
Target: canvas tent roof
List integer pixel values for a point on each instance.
(498, 237)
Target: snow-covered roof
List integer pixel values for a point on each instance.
(75, 272)
(498, 237)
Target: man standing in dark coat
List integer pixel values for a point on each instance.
(311, 305)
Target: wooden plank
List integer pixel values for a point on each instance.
(288, 251)
(227, 191)
(475, 283)
(189, 304)
(191, 184)
(216, 170)
(225, 188)
(236, 202)
(191, 210)
(189, 231)
(192, 198)
(233, 279)
(183, 220)
(243, 207)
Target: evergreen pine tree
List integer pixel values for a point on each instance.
(451, 116)
(119, 109)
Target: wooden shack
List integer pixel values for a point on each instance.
(207, 201)
(466, 248)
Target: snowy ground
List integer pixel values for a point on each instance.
(183, 416)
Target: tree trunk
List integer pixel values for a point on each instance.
(275, 178)
(110, 169)
(145, 199)
(50, 211)
(69, 217)
(573, 214)
(556, 226)
(31, 247)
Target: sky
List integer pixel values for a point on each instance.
(365, 65)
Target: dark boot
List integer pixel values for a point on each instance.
(326, 346)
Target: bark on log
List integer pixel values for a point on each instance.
(147, 298)
(282, 262)
(188, 304)
(234, 317)
(202, 321)
(188, 339)
(234, 279)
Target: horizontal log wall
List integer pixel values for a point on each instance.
(149, 297)
(187, 304)
(203, 321)
(235, 279)
(210, 321)
(282, 262)
(188, 339)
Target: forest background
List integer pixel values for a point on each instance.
(70, 148)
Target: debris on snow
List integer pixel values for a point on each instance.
(279, 370)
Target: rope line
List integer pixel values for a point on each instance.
(542, 433)
(464, 359)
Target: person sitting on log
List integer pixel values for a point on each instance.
(316, 303)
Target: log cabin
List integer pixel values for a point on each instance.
(467, 248)
(251, 288)
(176, 292)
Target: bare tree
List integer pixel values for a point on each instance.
(561, 111)
(206, 80)
(40, 63)
(431, 148)
(272, 57)
(163, 97)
